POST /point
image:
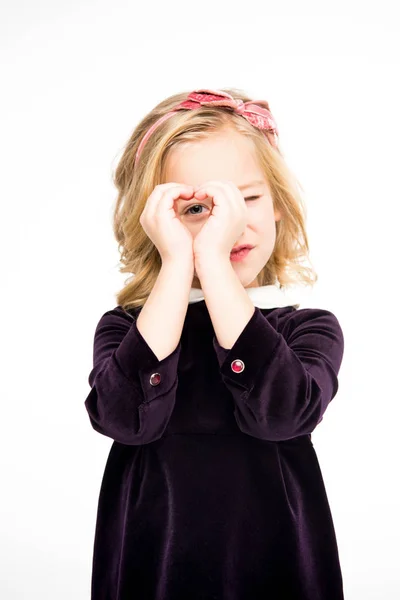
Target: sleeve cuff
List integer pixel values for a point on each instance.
(257, 334)
(137, 361)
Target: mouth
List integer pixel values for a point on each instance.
(242, 247)
(240, 253)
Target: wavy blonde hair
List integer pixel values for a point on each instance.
(136, 180)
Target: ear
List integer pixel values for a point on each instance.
(277, 215)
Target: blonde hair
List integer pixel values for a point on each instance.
(136, 181)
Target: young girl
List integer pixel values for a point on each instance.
(208, 378)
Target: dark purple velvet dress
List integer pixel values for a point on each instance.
(212, 488)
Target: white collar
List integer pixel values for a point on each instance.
(264, 296)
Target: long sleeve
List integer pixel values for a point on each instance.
(123, 404)
(289, 378)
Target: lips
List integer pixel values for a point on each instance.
(238, 248)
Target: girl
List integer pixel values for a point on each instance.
(206, 376)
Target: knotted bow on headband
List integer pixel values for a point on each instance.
(256, 115)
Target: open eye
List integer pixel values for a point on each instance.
(186, 212)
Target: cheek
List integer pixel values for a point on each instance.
(194, 221)
(259, 218)
(264, 218)
(195, 228)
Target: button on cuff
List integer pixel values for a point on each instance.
(237, 365)
(155, 378)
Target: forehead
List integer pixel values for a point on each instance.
(227, 156)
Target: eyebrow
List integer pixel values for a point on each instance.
(258, 182)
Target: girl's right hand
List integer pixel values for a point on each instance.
(162, 224)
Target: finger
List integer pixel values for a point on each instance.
(215, 190)
(168, 193)
(211, 186)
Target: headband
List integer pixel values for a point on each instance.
(256, 115)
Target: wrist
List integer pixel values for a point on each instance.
(210, 262)
(182, 265)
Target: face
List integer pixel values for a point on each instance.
(227, 155)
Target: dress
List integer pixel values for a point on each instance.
(212, 489)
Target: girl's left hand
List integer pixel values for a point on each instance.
(226, 223)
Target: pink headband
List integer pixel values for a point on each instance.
(256, 115)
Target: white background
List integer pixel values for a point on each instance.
(75, 79)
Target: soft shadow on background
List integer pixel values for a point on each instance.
(76, 78)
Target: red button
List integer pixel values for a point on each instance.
(155, 378)
(237, 366)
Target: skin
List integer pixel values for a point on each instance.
(227, 156)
